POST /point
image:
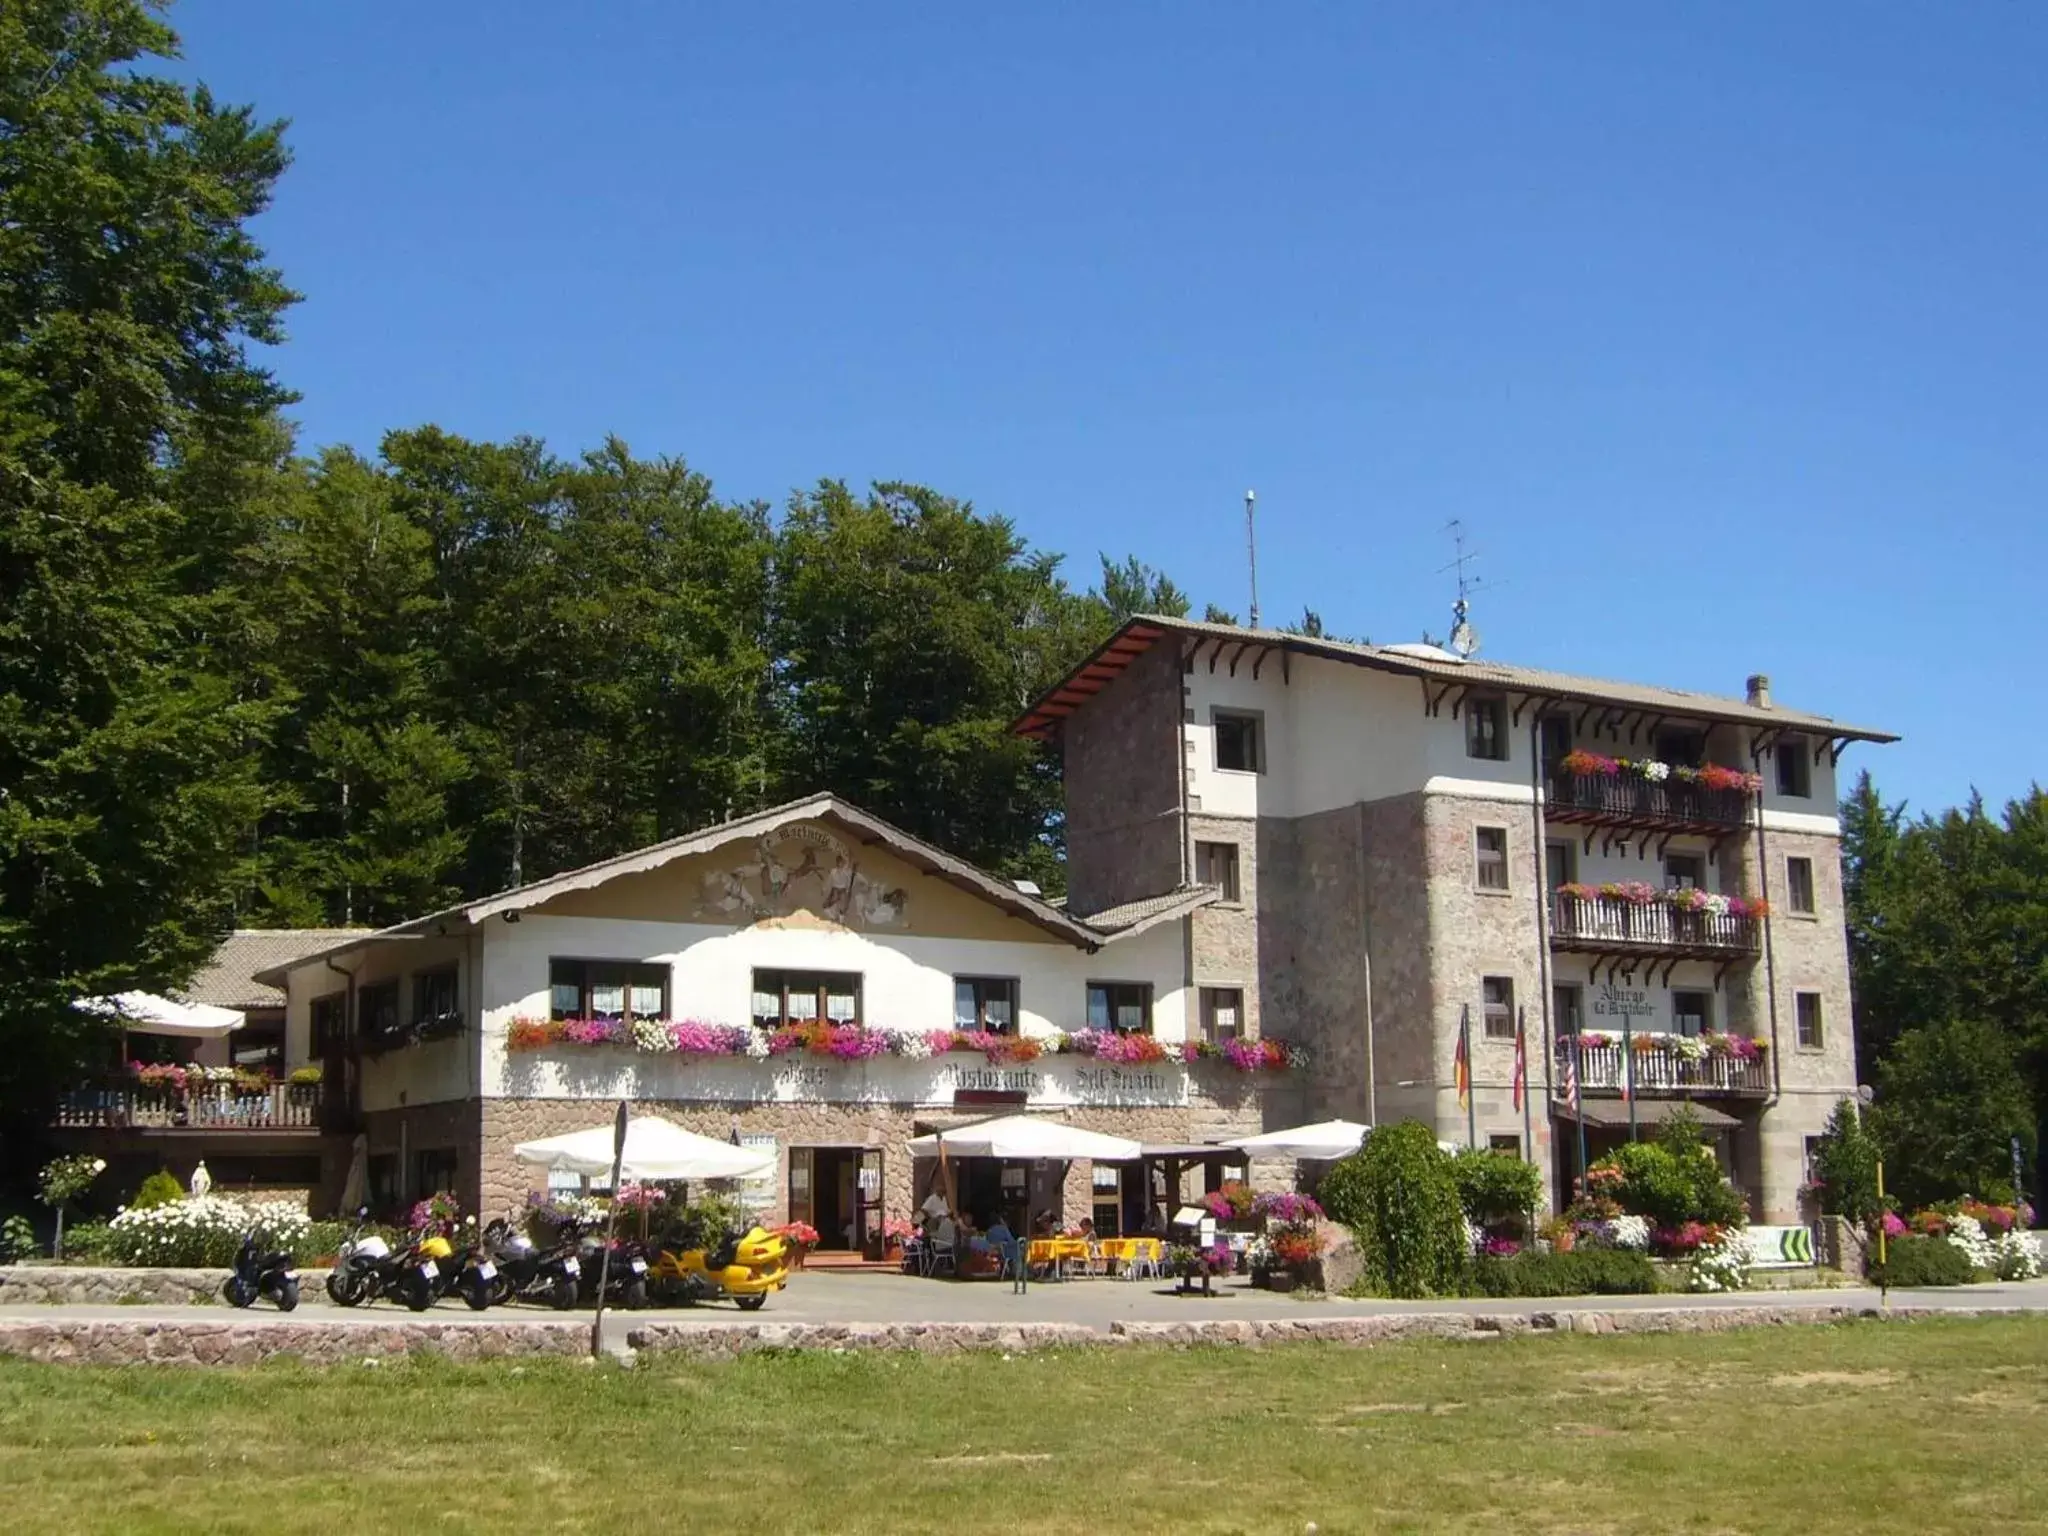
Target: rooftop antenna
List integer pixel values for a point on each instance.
(1464, 641)
(1251, 545)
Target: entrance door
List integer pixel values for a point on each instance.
(801, 1206)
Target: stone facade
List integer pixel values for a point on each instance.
(1223, 938)
(1230, 1108)
(1124, 835)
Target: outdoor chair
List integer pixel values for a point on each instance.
(1015, 1269)
(1141, 1265)
(938, 1258)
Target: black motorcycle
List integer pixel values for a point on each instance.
(627, 1283)
(360, 1267)
(528, 1272)
(275, 1275)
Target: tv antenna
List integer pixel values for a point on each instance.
(1251, 546)
(1464, 640)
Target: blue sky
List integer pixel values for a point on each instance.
(1720, 327)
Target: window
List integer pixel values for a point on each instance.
(1808, 1028)
(1216, 864)
(1222, 1014)
(803, 997)
(258, 1046)
(1490, 851)
(433, 999)
(1810, 1174)
(1561, 861)
(1692, 1012)
(1557, 738)
(377, 1009)
(1499, 994)
(606, 989)
(985, 1002)
(1684, 872)
(1795, 769)
(1510, 1145)
(1124, 1006)
(1799, 886)
(1486, 729)
(433, 1172)
(1567, 1007)
(330, 1022)
(1237, 742)
(1684, 749)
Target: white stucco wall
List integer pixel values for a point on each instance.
(906, 981)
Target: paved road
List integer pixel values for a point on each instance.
(885, 1298)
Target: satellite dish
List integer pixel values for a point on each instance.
(1464, 638)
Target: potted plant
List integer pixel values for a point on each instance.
(801, 1236)
(895, 1233)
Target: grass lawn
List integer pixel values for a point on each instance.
(1931, 1427)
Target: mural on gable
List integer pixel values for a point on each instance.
(801, 869)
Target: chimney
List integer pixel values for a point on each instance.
(1759, 690)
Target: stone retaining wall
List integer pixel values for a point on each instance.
(233, 1343)
(97, 1342)
(32, 1285)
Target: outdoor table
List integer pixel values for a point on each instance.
(1050, 1253)
(1126, 1251)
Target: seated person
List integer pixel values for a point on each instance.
(1155, 1221)
(944, 1231)
(999, 1234)
(1087, 1229)
(1042, 1224)
(934, 1206)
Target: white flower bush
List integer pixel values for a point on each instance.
(911, 1045)
(204, 1232)
(1722, 1265)
(1968, 1234)
(1475, 1237)
(1630, 1232)
(2019, 1256)
(1655, 772)
(757, 1044)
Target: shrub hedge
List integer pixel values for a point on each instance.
(1399, 1197)
(1917, 1261)
(1582, 1272)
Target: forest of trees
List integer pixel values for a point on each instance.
(240, 683)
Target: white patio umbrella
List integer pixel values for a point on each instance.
(1325, 1141)
(355, 1186)
(1027, 1136)
(655, 1149)
(145, 1013)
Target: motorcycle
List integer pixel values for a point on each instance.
(627, 1286)
(747, 1267)
(423, 1272)
(275, 1275)
(525, 1271)
(360, 1266)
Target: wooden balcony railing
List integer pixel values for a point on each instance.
(1627, 799)
(1613, 925)
(1662, 1065)
(212, 1107)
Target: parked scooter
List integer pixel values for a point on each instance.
(275, 1275)
(747, 1267)
(526, 1271)
(360, 1266)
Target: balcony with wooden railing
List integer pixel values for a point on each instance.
(1666, 1064)
(1709, 801)
(210, 1107)
(1637, 920)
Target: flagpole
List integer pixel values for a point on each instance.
(1465, 1050)
(1628, 1068)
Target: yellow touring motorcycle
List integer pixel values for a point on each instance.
(747, 1268)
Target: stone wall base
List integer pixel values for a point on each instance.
(36, 1285)
(80, 1342)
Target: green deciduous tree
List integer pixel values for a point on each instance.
(1950, 1099)
(129, 411)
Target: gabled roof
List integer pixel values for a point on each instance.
(228, 980)
(860, 824)
(1141, 633)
